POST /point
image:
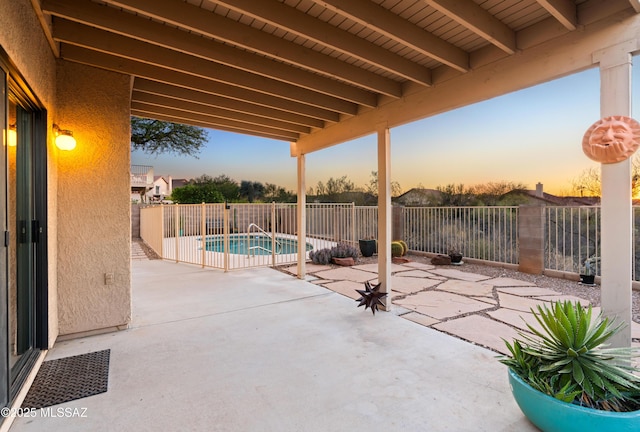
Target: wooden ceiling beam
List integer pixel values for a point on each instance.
(155, 73)
(111, 43)
(181, 116)
(392, 26)
(158, 88)
(168, 118)
(129, 25)
(636, 5)
(297, 22)
(479, 21)
(179, 104)
(562, 10)
(193, 18)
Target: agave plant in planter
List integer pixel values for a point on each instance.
(565, 378)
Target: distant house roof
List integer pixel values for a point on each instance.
(418, 196)
(549, 199)
(428, 197)
(178, 183)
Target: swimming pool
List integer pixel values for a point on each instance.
(254, 244)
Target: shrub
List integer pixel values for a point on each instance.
(324, 256)
(343, 250)
(321, 256)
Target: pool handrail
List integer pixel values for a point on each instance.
(273, 240)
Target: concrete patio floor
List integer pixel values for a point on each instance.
(258, 350)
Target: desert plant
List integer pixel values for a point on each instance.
(341, 250)
(569, 360)
(321, 256)
(405, 247)
(396, 249)
(344, 250)
(590, 266)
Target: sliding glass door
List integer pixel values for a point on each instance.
(23, 257)
(21, 243)
(7, 135)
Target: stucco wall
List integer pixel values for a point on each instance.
(24, 41)
(93, 199)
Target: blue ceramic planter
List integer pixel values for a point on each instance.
(552, 415)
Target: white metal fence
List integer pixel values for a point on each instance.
(366, 218)
(247, 235)
(238, 236)
(572, 235)
(485, 233)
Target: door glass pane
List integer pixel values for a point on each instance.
(21, 297)
(4, 331)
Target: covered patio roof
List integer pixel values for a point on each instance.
(317, 73)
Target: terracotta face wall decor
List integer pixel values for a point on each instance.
(611, 139)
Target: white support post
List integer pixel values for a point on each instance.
(203, 232)
(384, 213)
(616, 221)
(301, 217)
(178, 223)
(273, 234)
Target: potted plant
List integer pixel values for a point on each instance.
(565, 378)
(588, 271)
(368, 247)
(455, 255)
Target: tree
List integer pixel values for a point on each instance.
(453, 195)
(491, 193)
(251, 190)
(372, 187)
(277, 193)
(196, 194)
(332, 188)
(588, 182)
(224, 184)
(156, 137)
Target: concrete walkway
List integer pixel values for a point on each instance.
(474, 307)
(258, 350)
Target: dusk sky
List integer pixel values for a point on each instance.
(530, 136)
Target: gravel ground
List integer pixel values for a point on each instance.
(147, 250)
(564, 286)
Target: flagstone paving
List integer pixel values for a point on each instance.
(480, 330)
(441, 305)
(409, 285)
(468, 288)
(346, 273)
(517, 319)
(346, 288)
(480, 309)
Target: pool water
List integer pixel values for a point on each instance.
(255, 244)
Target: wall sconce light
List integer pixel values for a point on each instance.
(64, 138)
(12, 137)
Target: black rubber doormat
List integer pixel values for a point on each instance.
(70, 378)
